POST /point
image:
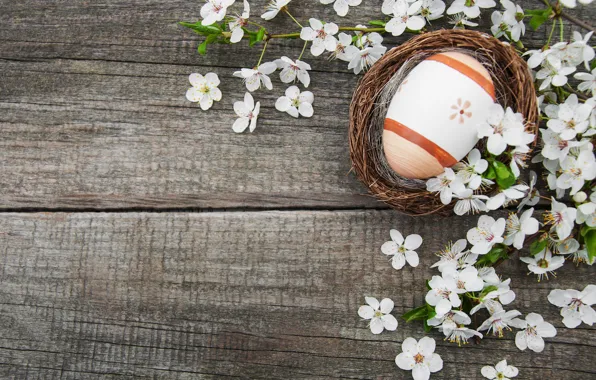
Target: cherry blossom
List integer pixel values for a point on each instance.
(204, 90)
(576, 171)
(419, 357)
(533, 333)
(572, 118)
(236, 26)
(402, 250)
(466, 280)
(344, 49)
(494, 300)
(582, 43)
(543, 263)
(446, 184)
(503, 127)
(432, 9)
(460, 21)
(442, 295)
(469, 202)
(290, 71)
(274, 7)
(379, 314)
(504, 197)
(517, 228)
(488, 233)
(247, 113)
(576, 306)
(532, 196)
(554, 73)
(365, 58)
(501, 371)
(588, 83)
(501, 320)
(561, 217)
(296, 103)
(254, 77)
(342, 7)
(555, 147)
(405, 16)
(586, 212)
(470, 8)
(214, 10)
(450, 256)
(470, 171)
(321, 35)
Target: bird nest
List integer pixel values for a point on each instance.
(514, 87)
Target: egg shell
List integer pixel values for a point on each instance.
(432, 120)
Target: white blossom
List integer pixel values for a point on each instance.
(204, 90)
(535, 329)
(503, 127)
(488, 233)
(561, 217)
(214, 10)
(582, 43)
(254, 77)
(543, 263)
(469, 202)
(554, 73)
(466, 280)
(494, 299)
(470, 171)
(366, 58)
(460, 21)
(501, 371)
(379, 314)
(432, 9)
(517, 228)
(238, 23)
(296, 103)
(450, 256)
(290, 70)
(576, 306)
(572, 118)
(367, 39)
(470, 8)
(247, 113)
(509, 23)
(588, 83)
(576, 171)
(405, 15)
(566, 247)
(555, 147)
(274, 7)
(402, 250)
(342, 7)
(532, 196)
(586, 212)
(501, 320)
(419, 357)
(506, 196)
(321, 35)
(445, 184)
(344, 49)
(442, 295)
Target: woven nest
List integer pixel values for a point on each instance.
(514, 88)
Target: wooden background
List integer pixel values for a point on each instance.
(141, 238)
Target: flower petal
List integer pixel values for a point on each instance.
(376, 326)
(405, 361)
(366, 312)
(386, 305)
(413, 241)
(389, 322)
(421, 372)
(412, 258)
(396, 236)
(426, 346)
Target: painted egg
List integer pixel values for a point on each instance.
(432, 119)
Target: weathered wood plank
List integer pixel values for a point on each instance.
(93, 115)
(238, 295)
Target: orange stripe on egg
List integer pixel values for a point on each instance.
(466, 70)
(433, 149)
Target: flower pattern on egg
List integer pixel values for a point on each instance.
(460, 110)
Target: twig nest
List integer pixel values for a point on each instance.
(416, 111)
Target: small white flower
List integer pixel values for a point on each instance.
(446, 184)
(572, 118)
(488, 233)
(576, 171)
(344, 49)
(379, 314)
(576, 306)
(405, 16)
(588, 83)
(450, 321)
(432, 9)
(366, 58)
(543, 263)
(460, 21)
(494, 299)
(581, 256)
(342, 6)
(555, 147)
(535, 329)
(471, 171)
(512, 21)
(500, 321)
(566, 247)
(586, 212)
(402, 250)
(321, 35)
(504, 197)
(204, 90)
(469, 202)
(517, 228)
(367, 39)
(466, 280)
(586, 51)
(450, 256)
(442, 295)
(419, 357)
(274, 7)
(553, 73)
(214, 10)
(238, 23)
(519, 155)
(470, 8)
(290, 71)
(503, 127)
(501, 371)
(254, 77)
(295, 102)
(561, 217)
(247, 113)
(532, 197)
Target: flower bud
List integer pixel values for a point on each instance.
(580, 197)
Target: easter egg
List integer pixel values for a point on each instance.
(432, 120)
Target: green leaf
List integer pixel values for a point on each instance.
(203, 30)
(539, 16)
(487, 290)
(537, 21)
(499, 251)
(505, 177)
(416, 314)
(428, 285)
(589, 235)
(490, 173)
(427, 328)
(261, 34)
(202, 49)
(380, 23)
(538, 246)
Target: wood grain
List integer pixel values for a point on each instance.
(93, 114)
(239, 295)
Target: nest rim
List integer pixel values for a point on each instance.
(515, 90)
